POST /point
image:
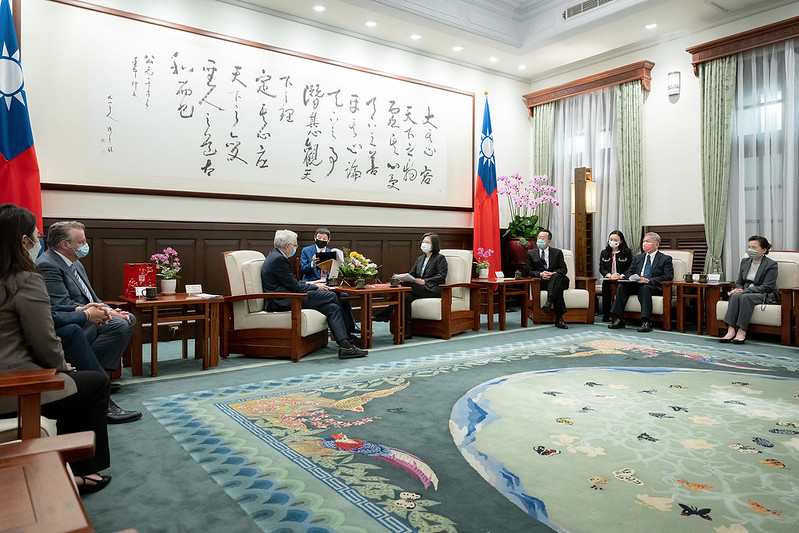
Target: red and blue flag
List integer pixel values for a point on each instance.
(486, 205)
(19, 169)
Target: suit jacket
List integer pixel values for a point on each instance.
(434, 274)
(556, 263)
(662, 268)
(278, 276)
(61, 283)
(765, 279)
(65, 314)
(27, 337)
(606, 262)
(309, 272)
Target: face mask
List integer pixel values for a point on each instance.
(83, 251)
(293, 250)
(647, 246)
(34, 252)
(541, 243)
(321, 244)
(426, 247)
(752, 253)
(613, 244)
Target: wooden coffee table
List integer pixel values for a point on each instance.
(379, 295)
(505, 287)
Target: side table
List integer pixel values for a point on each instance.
(505, 287)
(180, 307)
(695, 290)
(381, 295)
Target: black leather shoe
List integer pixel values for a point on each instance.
(351, 352)
(355, 329)
(93, 485)
(738, 341)
(646, 327)
(547, 307)
(117, 415)
(381, 317)
(605, 319)
(560, 324)
(354, 339)
(725, 341)
(617, 323)
(114, 387)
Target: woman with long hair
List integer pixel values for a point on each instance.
(615, 259)
(28, 342)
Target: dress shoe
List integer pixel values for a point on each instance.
(738, 341)
(382, 316)
(351, 352)
(93, 485)
(547, 307)
(617, 323)
(605, 319)
(354, 339)
(114, 387)
(725, 341)
(646, 327)
(117, 415)
(355, 329)
(560, 324)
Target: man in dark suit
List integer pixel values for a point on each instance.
(548, 264)
(652, 268)
(278, 276)
(69, 288)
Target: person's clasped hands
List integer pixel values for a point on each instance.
(96, 313)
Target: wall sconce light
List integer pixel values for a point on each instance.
(674, 83)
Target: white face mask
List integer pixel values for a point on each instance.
(426, 247)
(34, 252)
(614, 244)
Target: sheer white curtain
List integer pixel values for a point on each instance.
(764, 166)
(585, 136)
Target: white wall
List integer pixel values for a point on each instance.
(672, 154)
(509, 117)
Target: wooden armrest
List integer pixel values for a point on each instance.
(455, 285)
(254, 296)
(30, 382)
(71, 446)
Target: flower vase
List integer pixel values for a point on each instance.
(482, 273)
(168, 286)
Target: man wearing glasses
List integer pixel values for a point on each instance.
(278, 276)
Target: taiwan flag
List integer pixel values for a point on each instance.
(19, 170)
(486, 205)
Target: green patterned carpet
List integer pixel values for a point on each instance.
(584, 433)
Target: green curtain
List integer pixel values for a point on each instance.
(543, 151)
(629, 124)
(717, 85)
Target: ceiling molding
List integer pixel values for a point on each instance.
(641, 70)
(741, 42)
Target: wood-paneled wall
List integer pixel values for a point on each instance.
(200, 245)
(684, 237)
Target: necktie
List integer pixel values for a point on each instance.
(647, 266)
(544, 259)
(83, 288)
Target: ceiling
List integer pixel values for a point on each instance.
(522, 39)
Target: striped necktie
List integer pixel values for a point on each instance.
(647, 266)
(83, 288)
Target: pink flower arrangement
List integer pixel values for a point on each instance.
(167, 263)
(525, 196)
(482, 256)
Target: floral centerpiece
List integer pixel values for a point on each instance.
(482, 256)
(167, 264)
(524, 196)
(356, 266)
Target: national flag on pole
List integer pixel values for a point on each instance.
(486, 205)
(19, 170)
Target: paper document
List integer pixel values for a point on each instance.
(331, 265)
(404, 277)
(634, 277)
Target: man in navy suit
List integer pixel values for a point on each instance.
(654, 268)
(278, 276)
(548, 264)
(69, 289)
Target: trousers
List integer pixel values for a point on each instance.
(645, 291)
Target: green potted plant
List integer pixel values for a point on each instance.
(524, 196)
(355, 266)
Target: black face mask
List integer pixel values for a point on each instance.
(321, 244)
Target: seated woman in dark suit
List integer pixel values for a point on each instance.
(28, 342)
(756, 284)
(615, 259)
(429, 271)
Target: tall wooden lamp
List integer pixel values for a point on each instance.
(583, 207)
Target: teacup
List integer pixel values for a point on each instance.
(517, 274)
(150, 293)
(688, 277)
(702, 278)
(714, 277)
(394, 282)
(696, 277)
(360, 283)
